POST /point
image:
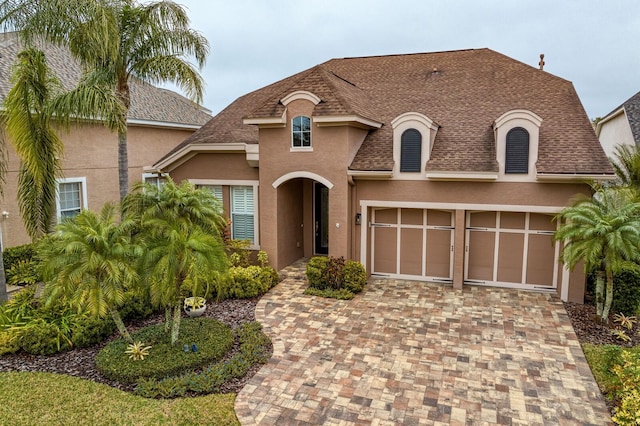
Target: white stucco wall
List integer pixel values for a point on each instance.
(614, 132)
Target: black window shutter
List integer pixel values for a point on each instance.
(410, 151)
(517, 152)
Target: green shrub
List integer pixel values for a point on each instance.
(91, 331)
(212, 338)
(238, 252)
(335, 277)
(43, 338)
(354, 276)
(626, 293)
(254, 349)
(246, 282)
(602, 358)
(315, 271)
(24, 272)
(9, 341)
(627, 372)
(135, 306)
(13, 255)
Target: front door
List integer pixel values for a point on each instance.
(321, 218)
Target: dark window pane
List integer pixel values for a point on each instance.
(517, 151)
(411, 151)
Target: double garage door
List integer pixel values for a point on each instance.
(511, 249)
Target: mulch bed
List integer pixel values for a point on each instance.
(80, 362)
(590, 330)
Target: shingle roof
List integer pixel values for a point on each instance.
(632, 110)
(466, 93)
(148, 103)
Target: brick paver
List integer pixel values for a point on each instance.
(414, 353)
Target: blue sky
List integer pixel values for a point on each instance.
(594, 44)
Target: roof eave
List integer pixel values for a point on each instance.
(574, 177)
(346, 120)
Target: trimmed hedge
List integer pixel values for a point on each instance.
(212, 338)
(245, 282)
(254, 349)
(626, 293)
(335, 277)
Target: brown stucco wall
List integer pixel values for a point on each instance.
(91, 151)
(332, 147)
(290, 221)
(222, 166)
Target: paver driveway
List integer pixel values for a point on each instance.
(408, 353)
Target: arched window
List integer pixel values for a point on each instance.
(301, 132)
(517, 151)
(411, 151)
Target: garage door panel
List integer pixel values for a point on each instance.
(439, 218)
(510, 257)
(386, 216)
(481, 255)
(439, 253)
(512, 220)
(412, 216)
(411, 252)
(482, 219)
(541, 222)
(541, 258)
(386, 253)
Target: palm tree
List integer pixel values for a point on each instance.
(116, 41)
(90, 260)
(180, 229)
(626, 164)
(28, 125)
(604, 232)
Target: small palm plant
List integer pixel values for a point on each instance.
(90, 261)
(604, 232)
(180, 228)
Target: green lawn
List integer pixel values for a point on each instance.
(55, 399)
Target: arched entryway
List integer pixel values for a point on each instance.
(303, 216)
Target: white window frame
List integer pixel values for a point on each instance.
(427, 128)
(256, 209)
(146, 176)
(302, 148)
(83, 194)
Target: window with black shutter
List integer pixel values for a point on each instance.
(410, 151)
(517, 152)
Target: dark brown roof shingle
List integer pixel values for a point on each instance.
(463, 91)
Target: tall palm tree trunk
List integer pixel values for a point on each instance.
(599, 293)
(123, 164)
(608, 298)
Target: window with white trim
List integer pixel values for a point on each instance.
(301, 132)
(71, 198)
(242, 213)
(154, 179)
(216, 190)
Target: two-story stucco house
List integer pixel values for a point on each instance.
(158, 121)
(444, 166)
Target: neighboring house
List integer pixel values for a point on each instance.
(445, 166)
(621, 126)
(158, 121)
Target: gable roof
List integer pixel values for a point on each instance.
(150, 105)
(631, 109)
(462, 91)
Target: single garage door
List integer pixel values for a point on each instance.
(412, 243)
(511, 249)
